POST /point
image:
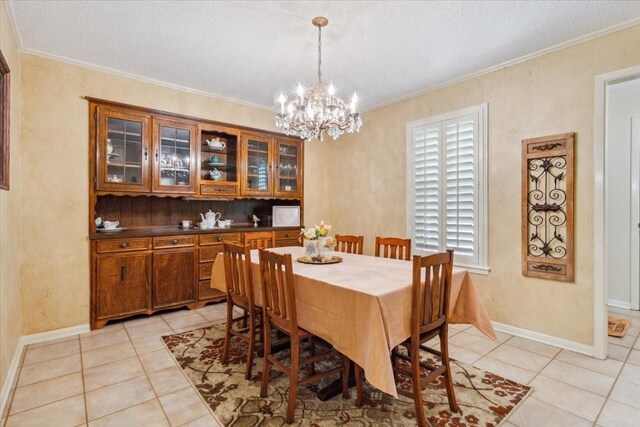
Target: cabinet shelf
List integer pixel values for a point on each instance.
(126, 165)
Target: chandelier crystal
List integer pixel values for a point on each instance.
(316, 109)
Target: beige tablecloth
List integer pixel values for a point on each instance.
(362, 306)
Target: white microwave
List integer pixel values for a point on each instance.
(286, 216)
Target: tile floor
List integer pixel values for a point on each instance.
(122, 375)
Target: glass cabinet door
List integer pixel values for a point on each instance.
(174, 157)
(257, 164)
(288, 164)
(123, 151)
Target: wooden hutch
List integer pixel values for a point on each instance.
(150, 170)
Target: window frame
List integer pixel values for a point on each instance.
(481, 179)
(5, 102)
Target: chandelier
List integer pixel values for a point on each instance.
(316, 109)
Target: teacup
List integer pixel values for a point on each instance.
(224, 223)
(110, 225)
(186, 223)
(206, 224)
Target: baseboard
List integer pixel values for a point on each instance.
(33, 339)
(52, 335)
(11, 376)
(619, 304)
(545, 339)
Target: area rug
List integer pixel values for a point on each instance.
(485, 399)
(618, 327)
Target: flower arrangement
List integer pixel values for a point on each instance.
(318, 246)
(312, 233)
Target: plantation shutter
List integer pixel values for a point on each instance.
(444, 187)
(426, 209)
(460, 187)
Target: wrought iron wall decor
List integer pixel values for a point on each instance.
(547, 207)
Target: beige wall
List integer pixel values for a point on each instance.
(549, 94)
(55, 133)
(10, 218)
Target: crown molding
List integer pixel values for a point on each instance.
(510, 63)
(140, 78)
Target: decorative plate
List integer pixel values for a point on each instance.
(333, 260)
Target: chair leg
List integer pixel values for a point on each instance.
(415, 386)
(293, 380)
(267, 352)
(359, 391)
(227, 336)
(312, 352)
(346, 365)
(444, 349)
(251, 347)
(244, 320)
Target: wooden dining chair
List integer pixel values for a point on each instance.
(350, 244)
(238, 277)
(430, 294)
(393, 247)
(260, 239)
(279, 312)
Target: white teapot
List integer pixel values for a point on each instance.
(215, 143)
(209, 219)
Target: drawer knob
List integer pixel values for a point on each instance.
(124, 245)
(219, 239)
(286, 235)
(175, 241)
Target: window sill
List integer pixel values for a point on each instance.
(475, 269)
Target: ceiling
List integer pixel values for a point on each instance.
(249, 51)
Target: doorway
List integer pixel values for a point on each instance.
(616, 206)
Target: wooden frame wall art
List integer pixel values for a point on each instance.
(547, 207)
(5, 98)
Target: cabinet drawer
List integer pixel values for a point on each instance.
(208, 253)
(218, 190)
(287, 242)
(217, 239)
(122, 245)
(205, 291)
(174, 241)
(205, 270)
(286, 234)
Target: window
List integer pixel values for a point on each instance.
(4, 123)
(447, 186)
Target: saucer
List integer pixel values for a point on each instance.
(111, 230)
(186, 228)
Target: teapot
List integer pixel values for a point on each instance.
(215, 174)
(211, 217)
(215, 143)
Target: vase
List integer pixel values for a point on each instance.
(325, 251)
(311, 249)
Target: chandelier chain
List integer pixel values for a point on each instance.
(320, 54)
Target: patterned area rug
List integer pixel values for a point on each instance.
(485, 399)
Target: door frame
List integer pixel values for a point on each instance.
(635, 213)
(600, 210)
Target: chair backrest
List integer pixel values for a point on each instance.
(278, 294)
(259, 239)
(393, 247)
(350, 244)
(430, 291)
(237, 273)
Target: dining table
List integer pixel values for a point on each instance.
(362, 305)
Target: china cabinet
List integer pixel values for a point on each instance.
(150, 170)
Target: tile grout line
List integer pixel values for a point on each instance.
(84, 387)
(624, 363)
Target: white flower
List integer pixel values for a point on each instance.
(310, 234)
